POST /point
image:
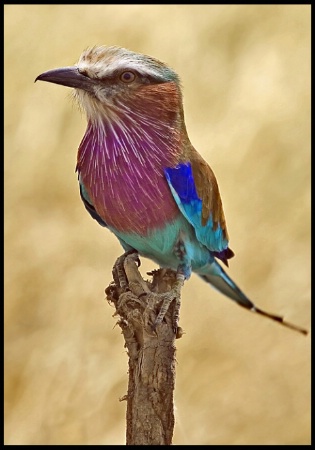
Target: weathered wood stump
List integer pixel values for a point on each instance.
(151, 350)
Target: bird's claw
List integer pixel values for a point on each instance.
(119, 274)
(167, 299)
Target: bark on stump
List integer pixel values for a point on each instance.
(151, 352)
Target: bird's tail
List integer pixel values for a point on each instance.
(220, 280)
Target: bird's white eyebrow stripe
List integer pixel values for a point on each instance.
(115, 66)
(103, 62)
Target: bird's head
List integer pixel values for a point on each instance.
(114, 84)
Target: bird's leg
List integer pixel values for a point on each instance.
(119, 274)
(167, 298)
(183, 273)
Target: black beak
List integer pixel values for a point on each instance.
(68, 76)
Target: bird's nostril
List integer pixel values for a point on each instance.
(83, 72)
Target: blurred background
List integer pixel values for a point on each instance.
(241, 379)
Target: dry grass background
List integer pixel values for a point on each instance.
(241, 379)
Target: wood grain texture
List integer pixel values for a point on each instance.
(151, 354)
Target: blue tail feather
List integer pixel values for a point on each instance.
(220, 280)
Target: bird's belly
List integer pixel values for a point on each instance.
(160, 243)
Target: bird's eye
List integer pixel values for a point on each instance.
(128, 77)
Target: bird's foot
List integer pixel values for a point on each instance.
(119, 273)
(167, 298)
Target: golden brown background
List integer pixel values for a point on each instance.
(241, 379)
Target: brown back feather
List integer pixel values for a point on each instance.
(208, 191)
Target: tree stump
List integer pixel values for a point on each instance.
(151, 350)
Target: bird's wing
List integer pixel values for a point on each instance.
(89, 205)
(195, 190)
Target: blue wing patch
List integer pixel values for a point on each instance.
(181, 182)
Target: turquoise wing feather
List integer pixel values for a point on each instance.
(210, 231)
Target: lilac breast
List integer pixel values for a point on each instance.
(123, 173)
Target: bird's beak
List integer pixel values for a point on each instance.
(68, 76)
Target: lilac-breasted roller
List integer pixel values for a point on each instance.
(139, 175)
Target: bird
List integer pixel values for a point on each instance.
(139, 175)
